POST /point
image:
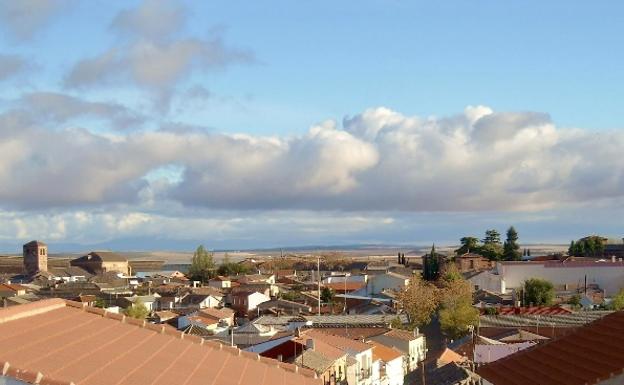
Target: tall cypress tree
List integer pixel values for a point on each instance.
(511, 249)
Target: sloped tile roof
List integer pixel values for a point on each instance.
(62, 342)
(587, 355)
(384, 353)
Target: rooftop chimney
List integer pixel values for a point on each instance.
(309, 344)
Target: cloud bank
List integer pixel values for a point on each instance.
(377, 160)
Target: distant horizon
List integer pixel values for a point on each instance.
(301, 248)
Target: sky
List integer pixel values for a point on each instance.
(144, 125)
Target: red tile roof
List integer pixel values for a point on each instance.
(404, 335)
(12, 287)
(587, 355)
(61, 342)
(533, 310)
(384, 353)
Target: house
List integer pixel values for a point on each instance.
(412, 344)
(282, 306)
(211, 320)
(359, 357)
(98, 262)
(257, 278)
(329, 362)
(11, 290)
(384, 282)
(69, 343)
(200, 301)
(220, 282)
(472, 262)
(246, 302)
(149, 301)
(70, 274)
(563, 274)
(390, 364)
(588, 355)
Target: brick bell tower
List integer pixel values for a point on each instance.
(35, 257)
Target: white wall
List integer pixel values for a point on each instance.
(608, 275)
(382, 282)
(394, 371)
(256, 299)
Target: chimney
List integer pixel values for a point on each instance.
(416, 332)
(298, 332)
(309, 344)
(613, 258)
(280, 358)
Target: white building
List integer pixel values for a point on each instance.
(567, 275)
(411, 344)
(383, 282)
(389, 362)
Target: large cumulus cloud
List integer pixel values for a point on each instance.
(378, 160)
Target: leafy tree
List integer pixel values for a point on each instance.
(511, 249)
(451, 274)
(202, 266)
(455, 321)
(617, 302)
(572, 248)
(396, 323)
(575, 301)
(419, 300)
(492, 251)
(138, 310)
(327, 295)
(456, 311)
(99, 302)
(288, 295)
(491, 237)
(468, 244)
(538, 292)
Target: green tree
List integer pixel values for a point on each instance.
(451, 274)
(572, 248)
(538, 292)
(575, 301)
(137, 310)
(511, 249)
(492, 251)
(431, 268)
(456, 312)
(327, 295)
(617, 302)
(467, 244)
(491, 237)
(202, 265)
(455, 321)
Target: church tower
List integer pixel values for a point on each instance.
(35, 257)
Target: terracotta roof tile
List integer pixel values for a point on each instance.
(587, 355)
(58, 342)
(384, 353)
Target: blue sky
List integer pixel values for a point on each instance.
(264, 76)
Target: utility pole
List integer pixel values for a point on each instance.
(318, 267)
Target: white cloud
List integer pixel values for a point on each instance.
(381, 160)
